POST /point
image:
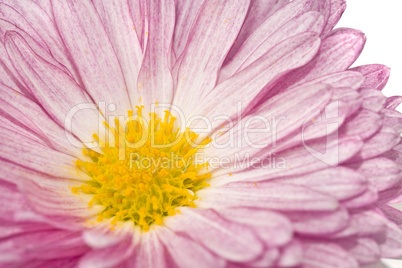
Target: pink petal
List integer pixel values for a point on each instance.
(319, 223)
(24, 111)
(217, 234)
(341, 183)
(122, 33)
(210, 39)
(337, 9)
(291, 254)
(273, 228)
(150, 252)
(375, 75)
(278, 196)
(373, 99)
(393, 102)
(85, 38)
(367, 198)
(364, 124)
(364, 250)
(351, 80)
(44, 80)
(337, 53)
(186, 14)
(258, 12)
(249, 83)
(109, 256)
(391, 244)
(318, 255)
(181, 248)
(155, 81)
(268, 35)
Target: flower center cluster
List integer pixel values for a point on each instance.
(148, 178)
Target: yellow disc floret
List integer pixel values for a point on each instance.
(148, 178)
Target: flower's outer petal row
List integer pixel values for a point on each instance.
(258, 12)
(326, 254)
(21, 110)
(337, 9)
(29, 17)
(109, 256)
(213, 33)
(291, 19)
(375, 75)
(123, 35)
(273, 228)
(293, 106)
(219, 235)
(186, 14)
(150, 253)
(337, 53)
(249, 83)
(181, 247)
(276, 196)
(32, 153)
(82, 32)
(44, 82)
(155, 82)
(393, 102)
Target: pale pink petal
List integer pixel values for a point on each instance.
(186, 252)
(155, 83)
(393, 102)
(272, 227)
(319, 223)
(328, 255)
(268, 258)
(367, 198)
(375, 75)
(269, 34)
(258, 12)
(120, 28)
(210, 39)
(373, 99)
(150, 252)
(109, 256)
(364, 124)
(346, 79)
(278, 196)
(391, 244)
(217, 234)
(44, 79)
(85, 38)
(337, 9)
(250, 82)
(186, 14)
(337, 53)
(291, 254)
(364, 250)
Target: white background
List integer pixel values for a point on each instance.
(381, 21)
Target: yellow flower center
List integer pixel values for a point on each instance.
(148, 173)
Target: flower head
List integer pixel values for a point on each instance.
(184, 133)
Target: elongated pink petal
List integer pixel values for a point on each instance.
(250, 82)
(267, 36)
(217, 234)
(273, 228)
(180, 248)
(278, 196)
(318, 255)
(155, 83)
(122, 33)
(186, 15)
(337, 9)
(375, 75)
(150, 252)
(108, 257)
(85, 38)
(364, 250)
(364, 124)
(44, 80)
(373, 99)
(337, 53)
(210, 39)
(258, 12)
(291, 254)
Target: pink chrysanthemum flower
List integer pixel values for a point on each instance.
(227, 133)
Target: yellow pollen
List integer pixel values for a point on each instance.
(158, 175)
